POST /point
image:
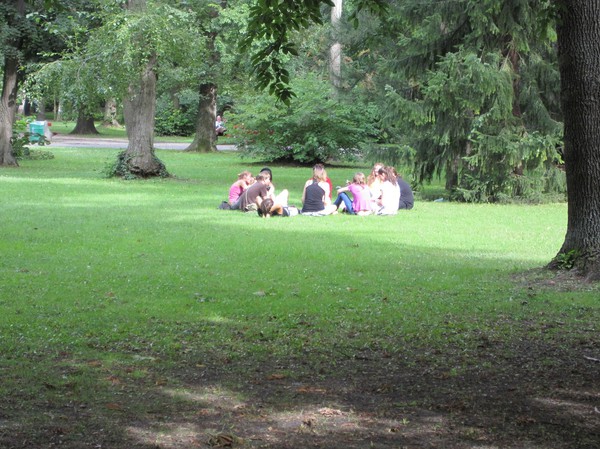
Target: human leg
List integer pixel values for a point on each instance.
(347, 202)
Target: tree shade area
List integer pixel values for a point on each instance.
(466, 91)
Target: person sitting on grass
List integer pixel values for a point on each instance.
(374, 180)
(388, 201)
(360, 203)
(316, 198)
(254, 195)
(244, 181)
(407, 198)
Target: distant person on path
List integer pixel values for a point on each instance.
(360, 204)
(220, 126)
(316, 197)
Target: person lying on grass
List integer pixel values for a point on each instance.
(277, 207)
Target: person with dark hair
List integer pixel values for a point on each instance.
(407, 198)
(268, 175)
(267, 170)
(387, 203)
(277, 206)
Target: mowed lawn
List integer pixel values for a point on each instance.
(110, 288)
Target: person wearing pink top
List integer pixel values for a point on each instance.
(244, 181)
(360, 204)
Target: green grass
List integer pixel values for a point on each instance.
(127, 273)
(89, 254)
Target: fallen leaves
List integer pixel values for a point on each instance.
(326, 411)
(222, 440)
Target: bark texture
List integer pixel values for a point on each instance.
(8, 100)
(110, 113)
(85, 125)
(579, 62)
(139, 110)
(205, 140)
(7, 111)
(335, 51)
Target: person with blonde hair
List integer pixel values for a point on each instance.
(360, 204)
(316, 196)
(374, 180)
(244, 181)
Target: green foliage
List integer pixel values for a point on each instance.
(566, 261)
(120, 168)
(314, 128)
(474, 92)
(272, 23)
(173, 122)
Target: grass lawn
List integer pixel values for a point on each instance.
(138, 315)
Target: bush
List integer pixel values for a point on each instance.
(173, 122)
(314, 128)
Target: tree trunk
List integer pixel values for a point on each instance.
(206, 138)
(41, 112)
(8, 101)
(85, 125)
(7, 111)
(579, 63)
(110, 113)
(139, 109)
(58, 109)
(335, 51)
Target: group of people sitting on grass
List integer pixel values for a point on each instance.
(383, 192)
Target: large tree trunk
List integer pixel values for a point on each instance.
(206, 137)
(139, 109)
(8, 101)
(85, 124)
(579, 63)
(7, 111)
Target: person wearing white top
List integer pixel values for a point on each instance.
(388, 201)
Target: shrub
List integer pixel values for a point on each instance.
(315, 128)
(173, 122)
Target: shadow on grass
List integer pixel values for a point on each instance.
(273, 379)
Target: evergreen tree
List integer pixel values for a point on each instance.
(469, 88)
